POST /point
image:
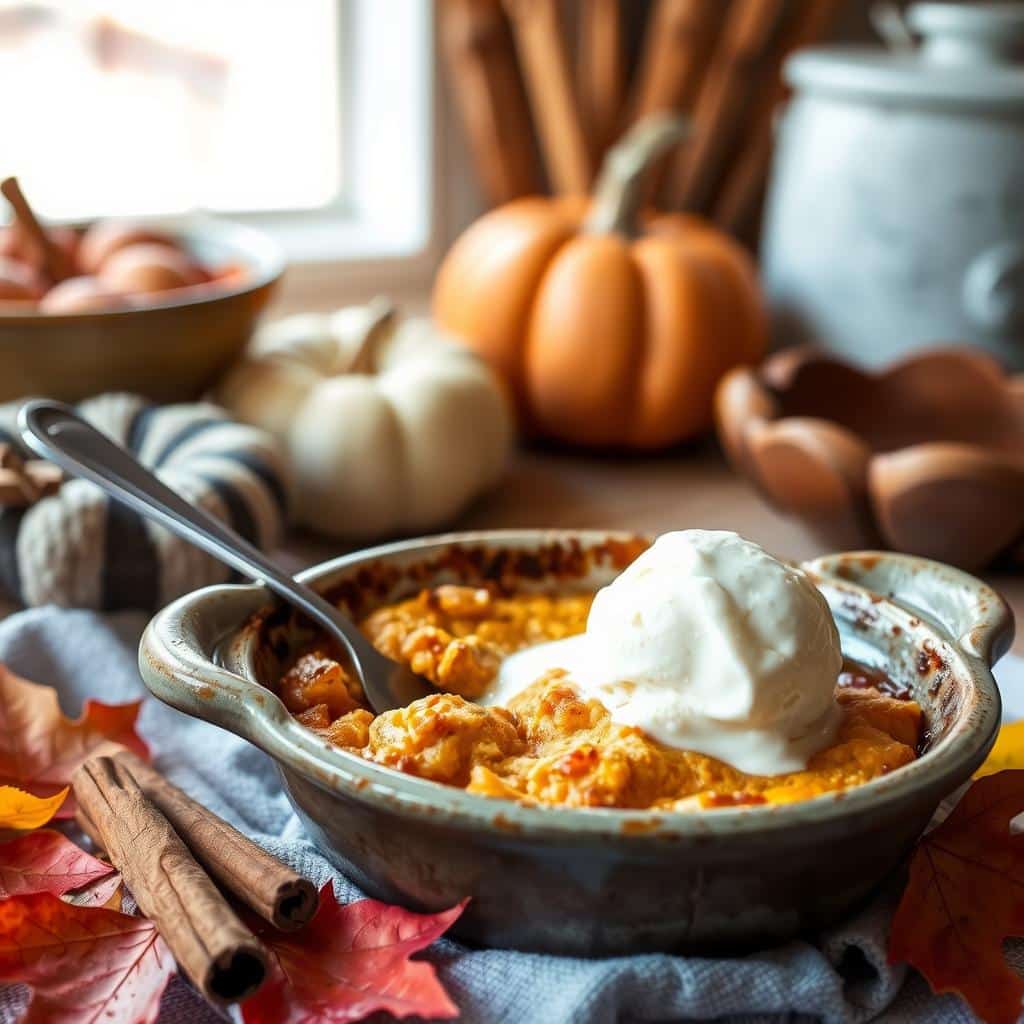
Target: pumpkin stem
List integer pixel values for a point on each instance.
(618, 193)
(379, 327)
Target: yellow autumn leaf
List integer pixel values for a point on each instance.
(22, 810)
(1008, 751)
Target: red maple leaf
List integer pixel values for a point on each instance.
(964, 896)
(350, 961)
(40, 747)
(83, 964)
(46, 861)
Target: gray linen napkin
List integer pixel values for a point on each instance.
(842, 978)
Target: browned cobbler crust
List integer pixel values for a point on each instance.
(457, 636)
(549, 746)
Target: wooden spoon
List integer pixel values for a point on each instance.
(980, 492)
(817, 470)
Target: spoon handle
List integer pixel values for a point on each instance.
(58, 433)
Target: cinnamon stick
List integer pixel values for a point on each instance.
(601, 72)
(677, 45)
(480, 59)
(540, 40)
(23, 483)
(84, 822)
(260, 881)
(732, 82)
(16, 490)
(44, 476)
(219, 954)
(54, 261)
(741, 198)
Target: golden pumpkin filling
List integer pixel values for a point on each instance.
(548, 746)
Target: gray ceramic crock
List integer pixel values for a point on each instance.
(594, 882)
(895, 216)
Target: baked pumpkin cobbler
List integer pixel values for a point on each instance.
(549, 744)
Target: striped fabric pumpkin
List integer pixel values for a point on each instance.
(79, 549)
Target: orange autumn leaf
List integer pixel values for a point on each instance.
(350, 961)
(965, 895)
(82, 964)
(40, 747)
(22, 811)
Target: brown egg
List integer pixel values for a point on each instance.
(81, 295)
(18, 282)
(106, 237)
(14, 246)
(149, 268)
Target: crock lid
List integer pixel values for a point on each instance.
(971, 55)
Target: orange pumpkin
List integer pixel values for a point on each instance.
(608, 334)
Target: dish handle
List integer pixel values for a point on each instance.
(179, 665)
(976, 617)
(993, 289)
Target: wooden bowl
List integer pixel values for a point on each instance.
(926, 456)
(171, 348)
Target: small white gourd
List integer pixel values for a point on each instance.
(390, 427)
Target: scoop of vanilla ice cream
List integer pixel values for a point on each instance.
(707, 643)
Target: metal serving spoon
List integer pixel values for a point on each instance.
(56, 432)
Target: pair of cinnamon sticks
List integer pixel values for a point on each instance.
(173, 854)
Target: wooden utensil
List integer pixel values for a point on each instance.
(481, 63)
(540, 42)
(980, 494)
(748, 39)
(741, 402)
(925, 456)
(54, 261)
(817, 469)
(737, 207)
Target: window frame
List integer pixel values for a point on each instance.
(389, 224)
(354, 247)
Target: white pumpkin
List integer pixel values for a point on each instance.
(390, 428)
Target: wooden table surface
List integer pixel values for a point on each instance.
(684, 489)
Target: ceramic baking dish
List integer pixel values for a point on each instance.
(593, 882)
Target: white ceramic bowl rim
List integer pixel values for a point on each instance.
(180, 672)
